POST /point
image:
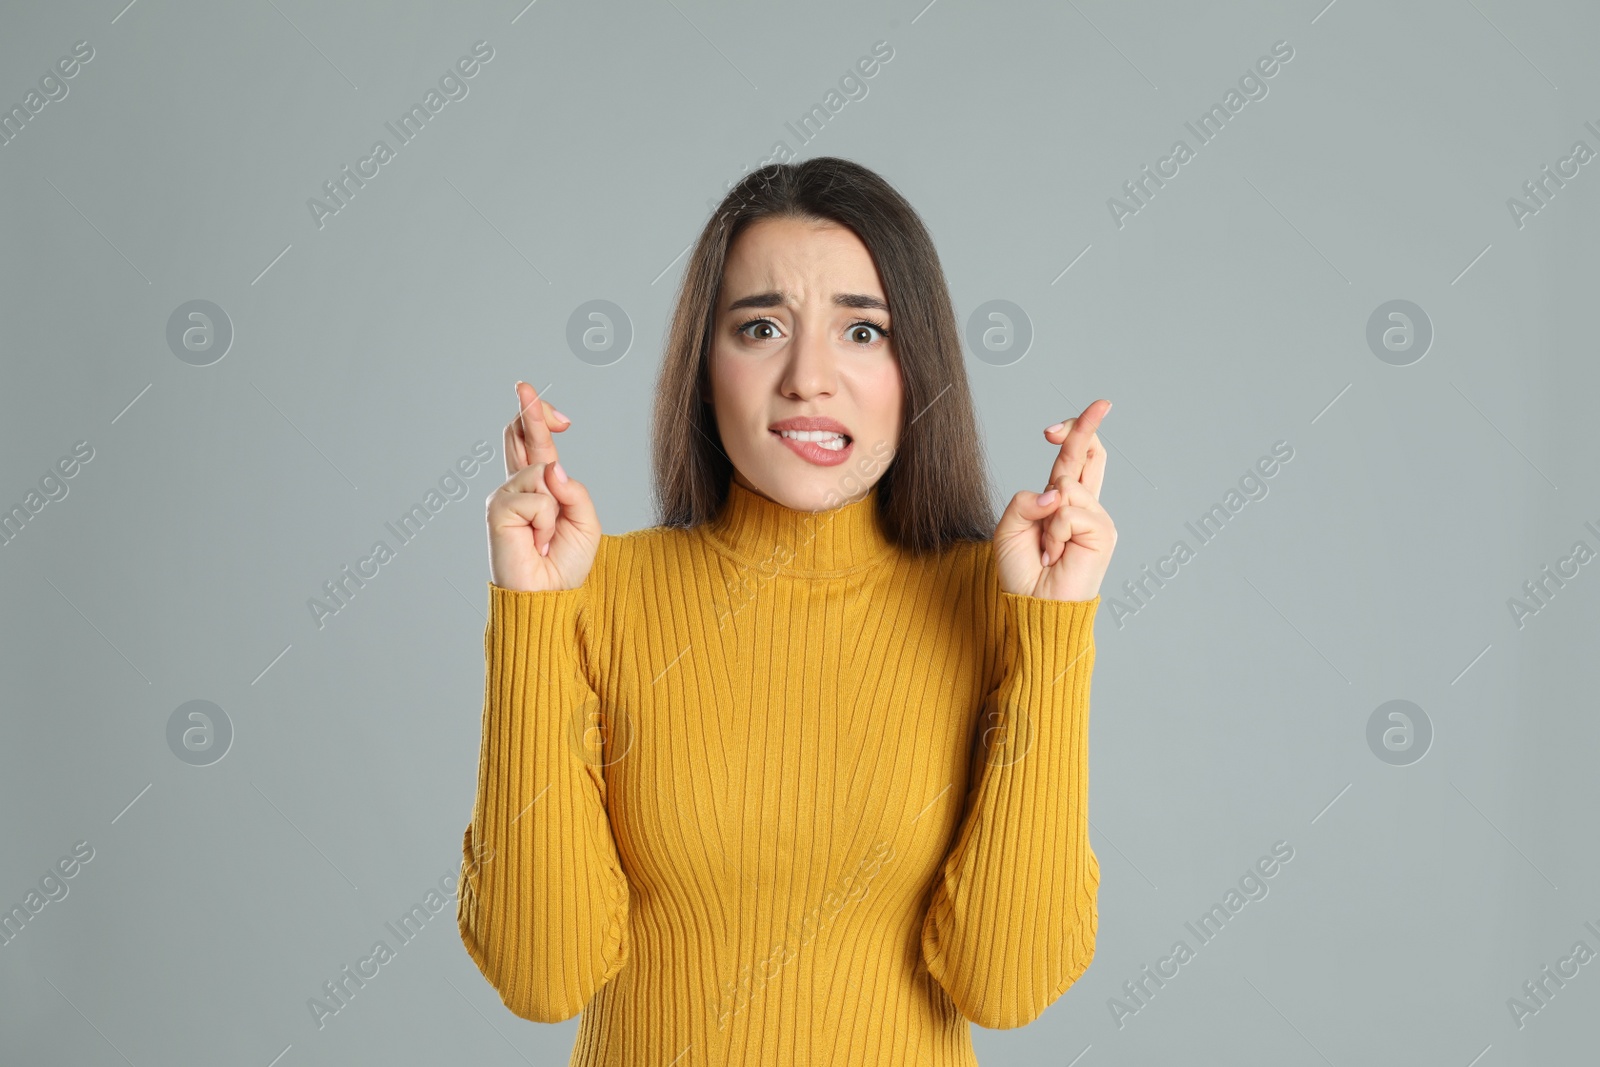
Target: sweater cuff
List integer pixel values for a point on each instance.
(532, 647)
(1054, 647)
(518, 616)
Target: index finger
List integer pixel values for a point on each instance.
(536, 437)
(1076, 445)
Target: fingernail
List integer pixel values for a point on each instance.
(1053, 429)
(1044, 558)
(561, 475)
(1048, 497)
(544, 549)
(557, 413)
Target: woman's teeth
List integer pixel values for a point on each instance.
(826, 438)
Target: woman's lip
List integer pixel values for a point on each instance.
(828, 426)
(812, 452)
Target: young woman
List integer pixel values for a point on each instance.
(800, 775)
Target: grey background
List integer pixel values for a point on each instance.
(1230, 313)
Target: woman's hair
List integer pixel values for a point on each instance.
(935, 491)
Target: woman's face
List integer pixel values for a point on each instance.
(802, 333)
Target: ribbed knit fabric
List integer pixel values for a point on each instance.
(771, 791)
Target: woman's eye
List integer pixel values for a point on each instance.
(757, 323)
(863, 333)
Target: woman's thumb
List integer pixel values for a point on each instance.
(1024, 510)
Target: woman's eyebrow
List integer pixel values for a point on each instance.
(774, 299)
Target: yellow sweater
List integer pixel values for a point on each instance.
(772, 791)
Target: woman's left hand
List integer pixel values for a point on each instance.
(1057, 544)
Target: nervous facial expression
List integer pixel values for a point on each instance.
(802, 343)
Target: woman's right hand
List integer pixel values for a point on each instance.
(543, 528)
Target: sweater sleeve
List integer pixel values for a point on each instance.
(1012, 919)
(543, 902)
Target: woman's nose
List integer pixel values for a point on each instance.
(811, 363)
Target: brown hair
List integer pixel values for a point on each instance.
(935, 491)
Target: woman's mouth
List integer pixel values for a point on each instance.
(821, 447)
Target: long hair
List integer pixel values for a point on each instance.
(935, 490)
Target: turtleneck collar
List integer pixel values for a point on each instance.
(812, 544)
